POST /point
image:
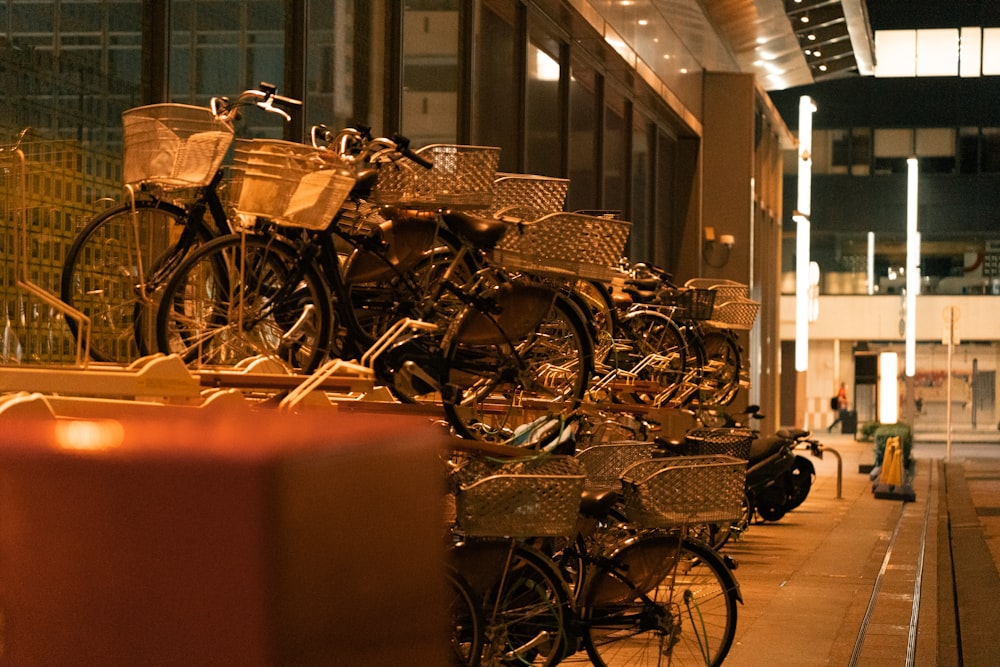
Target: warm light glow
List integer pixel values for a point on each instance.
(888, 388)
(90, 435)
(912, 265)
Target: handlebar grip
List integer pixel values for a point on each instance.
(403, 146)
(287, 101)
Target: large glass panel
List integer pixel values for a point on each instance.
(615, 152)
(222, 47)
(990, 145)
(583, 133)
(330, 65)
(968, 150)
(641, 238)
(496, 100)
(69, 70)
(430, 71)
(543, 113)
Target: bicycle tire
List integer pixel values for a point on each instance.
(110, 258)
(633, 615)
(241, 296)
(492, 382)
(527, 610)
(466, 618)
(658, 353)
(723, 366)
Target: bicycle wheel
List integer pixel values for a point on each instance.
(723, 365)
(467, 637)
(527, 610)
(660, 600)
(657, 354)
(115, 265)
(526, 353)
(242, 296)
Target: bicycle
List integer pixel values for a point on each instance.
(122, 256)
(485, 343)
(641, 590)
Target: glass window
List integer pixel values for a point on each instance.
(583, 128)
(331, 96)
(615, 152)
(990, 146)
(543, 113)
(640, 239)
(496, 107)
(221, 48)
(892, 148)
(430, 71)
(968, 150)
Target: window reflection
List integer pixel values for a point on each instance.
(543, 146)
(430, 71)
(497, 106)
(583, 127)
(221, 48)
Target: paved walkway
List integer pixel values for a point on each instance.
(859, 580)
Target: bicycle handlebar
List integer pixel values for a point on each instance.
(356, 144)
(266, 98)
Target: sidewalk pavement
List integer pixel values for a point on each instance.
(851, 579)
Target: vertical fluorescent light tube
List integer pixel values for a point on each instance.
(888, 388)
(871, 263)
(912, 265)
(803, 210)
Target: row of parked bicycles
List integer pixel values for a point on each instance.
(569, 545)
(456, 285)
(569, 528)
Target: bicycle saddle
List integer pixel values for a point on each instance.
(482, 232)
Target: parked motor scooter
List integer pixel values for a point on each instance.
(778, 480)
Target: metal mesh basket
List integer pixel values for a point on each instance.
(292, 184)
(684, 490)
(605, 463)
(462, 177)
(690, 302)
(739, 314)
(527, 196)
(728, 441)
(173, 145)
(725, 290)
(565, 245)
(534, 498)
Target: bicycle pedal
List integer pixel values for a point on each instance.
(730, 561)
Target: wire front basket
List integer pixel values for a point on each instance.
(567, 245)
(291, 184)
(462, 177)
(732, 309)
(605, 463)
(528, 197)
(533, 498)
(727, 441)
(173, 145)
(684, 490)
(691, 303)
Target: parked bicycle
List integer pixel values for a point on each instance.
(614, 576)
(121, 257)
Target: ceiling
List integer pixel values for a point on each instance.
(791, 43)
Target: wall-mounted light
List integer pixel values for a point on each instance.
(715, 250)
